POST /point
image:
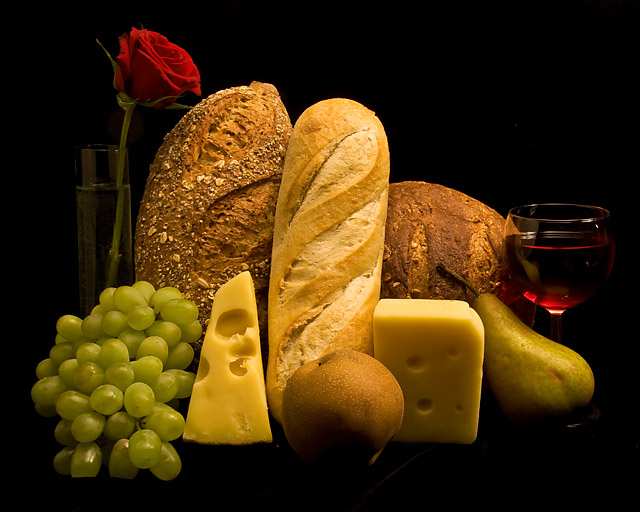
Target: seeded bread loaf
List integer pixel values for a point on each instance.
(428, 224)
(328, 239)
(208, 206)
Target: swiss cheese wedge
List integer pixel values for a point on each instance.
(228, 403)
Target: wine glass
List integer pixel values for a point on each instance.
(558, 255)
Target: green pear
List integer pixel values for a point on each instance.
(531, 377)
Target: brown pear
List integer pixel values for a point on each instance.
(341, 409)
(531, 377)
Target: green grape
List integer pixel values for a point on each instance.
(100, 341)
(126, 298)
(120, 374)
(88, 352)
(99, 309)
(191, 332)
(145, 448)
(162, 295)
(46, 411)
(180, 356)
(147, 369)
(106, 299)
(179, 311)
(107, 399)
(69, 327)
(71, 403)
(159, 407)
(168, 331)
(86, 460)
(62, 460)
(61, 352)
(113, 350)
(186, 380)
(114, 322)
(141, 317)
(82, 339)
(120, 465)
(139, 399)
(105, 377)
(62, 432)
(92, 326)
(146, 288)
(165, 387)
(106, 447)
(88, 426)
(167, 423)
(153, 346)
(46, 391)
(169, 465)
(66, 370)
(88, 376)
(132, 339)
(46, 368)
(119, 425)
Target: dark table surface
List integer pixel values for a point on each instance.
(507, 466)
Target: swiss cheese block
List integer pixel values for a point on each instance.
(228, 403)
(435, 349)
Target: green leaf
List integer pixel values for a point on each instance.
(178, 106)
(170, 106)
(125, 101)
(114, 64)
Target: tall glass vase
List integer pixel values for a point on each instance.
(105, 249)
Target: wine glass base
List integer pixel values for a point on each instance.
(584, 417)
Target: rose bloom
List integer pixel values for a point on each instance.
(150, 67)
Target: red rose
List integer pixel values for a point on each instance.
(150, 68)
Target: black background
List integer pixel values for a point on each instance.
(509, 102)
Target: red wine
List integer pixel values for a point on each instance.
(558, 270)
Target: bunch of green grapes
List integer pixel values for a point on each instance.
(115, 378)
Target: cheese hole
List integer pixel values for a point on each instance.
(416, 363)
(203, 369)
(425, 405)
(241, 346)
(458, 408)
(236, 367)
(233, 322)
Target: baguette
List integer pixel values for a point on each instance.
(209, 202)
(328, 239)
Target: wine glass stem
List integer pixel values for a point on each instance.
(556, 326)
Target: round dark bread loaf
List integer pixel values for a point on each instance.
(209, 202)
(430, 224)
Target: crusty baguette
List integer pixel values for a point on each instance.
(209, 203)
(328, 239)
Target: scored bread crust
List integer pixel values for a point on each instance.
(430, 224)
(208, 206)
(328, 239)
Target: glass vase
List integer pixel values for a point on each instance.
(105, 248)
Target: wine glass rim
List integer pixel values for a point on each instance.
(597, 212)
